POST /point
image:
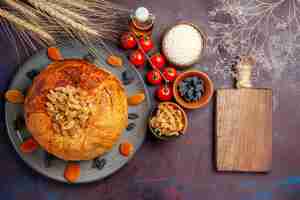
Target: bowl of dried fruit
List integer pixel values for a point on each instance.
(193, 89)
(167, 121)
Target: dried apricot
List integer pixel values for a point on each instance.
(54, 54)
(72, 172)
(126, 148)
(114, 61)
(136, 99)
(29, 146)
(14, 96)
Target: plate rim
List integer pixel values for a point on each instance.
(36, 169)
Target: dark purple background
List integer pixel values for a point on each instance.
(179, 170)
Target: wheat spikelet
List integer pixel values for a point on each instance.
(105, 23)
(26, 25)
(27, 13)
(22, 8)
(10, 36)
(80, 5)
(108, 4)
(47, 8)
(49, 22)
(24, 41)
(68, 12)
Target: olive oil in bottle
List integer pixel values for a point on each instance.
(141, 22)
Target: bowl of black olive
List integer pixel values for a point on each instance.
(193, 89)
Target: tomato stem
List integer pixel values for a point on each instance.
(148, 58)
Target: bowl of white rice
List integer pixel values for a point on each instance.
(184, 44)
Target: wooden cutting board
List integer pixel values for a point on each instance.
(244, 126)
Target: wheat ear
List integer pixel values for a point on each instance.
(112, 5)
(46, 7)
(82, 5)
(26, 25)
(68, 12)
(19, 6)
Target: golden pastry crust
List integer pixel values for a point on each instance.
(103, 127)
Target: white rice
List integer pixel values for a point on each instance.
(182, 45)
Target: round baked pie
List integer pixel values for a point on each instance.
(76, 110)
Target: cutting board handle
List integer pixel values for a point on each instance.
(244, 71)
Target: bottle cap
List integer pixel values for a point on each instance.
(142, 14)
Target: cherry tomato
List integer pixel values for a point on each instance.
(154, 77)
(128, 41)
(158, 61)
(146, 43)
(164, 93)
(137, 58)
(170, 73)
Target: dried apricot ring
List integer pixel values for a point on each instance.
(72, 172)
(114, 61)
(136, 99)
(54, 54)
(29, 146)
(14, 96)
(126, 149)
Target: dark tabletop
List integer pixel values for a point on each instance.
(181, 169)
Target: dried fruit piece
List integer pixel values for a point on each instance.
(130, 126)
(114, 61)
(54, 54)
(126, 148)
(133, 116)
(29, 146)
(14, 96)
(31, 74)
(127, 77)
(99, 163)
(47, 159)
(72, 172)
(136, 99)
(19, 123)
(127, 82)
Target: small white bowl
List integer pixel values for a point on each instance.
(184, 44)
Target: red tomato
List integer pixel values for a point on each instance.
(128, 41)
(158, 61)
(137, 58)
(154, 77)
(164, 93)
(146, 43)
(170, 73)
